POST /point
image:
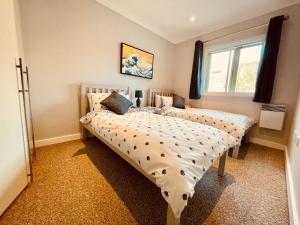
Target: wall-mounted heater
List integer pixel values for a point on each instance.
(272, 116)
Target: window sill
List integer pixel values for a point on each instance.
(224, 94)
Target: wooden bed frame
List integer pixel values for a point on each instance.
(94, 88)
(164, 92)
(153, 92)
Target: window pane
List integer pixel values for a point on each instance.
(218, 70)
(247, 69)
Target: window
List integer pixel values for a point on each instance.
(233, 70)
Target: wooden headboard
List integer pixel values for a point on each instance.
(97, 88)
(153, 92)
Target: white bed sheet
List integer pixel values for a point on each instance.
(176, 152)
(234, 124)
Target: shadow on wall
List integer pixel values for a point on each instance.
(143, 198)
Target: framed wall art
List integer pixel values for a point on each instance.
(136, 62)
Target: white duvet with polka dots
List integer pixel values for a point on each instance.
(234, 124)
(176, 152)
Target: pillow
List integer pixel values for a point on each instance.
(117, 103)
(158, 102)
(126, 96)
(166, 101)
(95, 100)
(178, 102)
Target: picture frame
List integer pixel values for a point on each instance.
(136, 62)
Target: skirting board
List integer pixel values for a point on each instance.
(56, 140)
(294, 219)
(267, 143)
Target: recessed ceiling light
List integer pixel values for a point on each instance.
(192, 18)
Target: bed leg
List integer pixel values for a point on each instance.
(247, 137)
(235, 152)
(222, 164)
(84, 134)
(171, 219)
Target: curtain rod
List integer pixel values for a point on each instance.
(250, 28)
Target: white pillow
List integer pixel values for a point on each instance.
(167, 101)
(126, 96)
(158, 102)
(95, 99)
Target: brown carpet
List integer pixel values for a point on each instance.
(77, 183)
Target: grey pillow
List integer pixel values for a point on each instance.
(178, 102)
(117, 103)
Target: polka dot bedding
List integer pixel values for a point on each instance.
(234, 124)
(174, 151)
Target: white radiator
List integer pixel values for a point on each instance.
(272, 116)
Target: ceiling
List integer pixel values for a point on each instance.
(180, 20)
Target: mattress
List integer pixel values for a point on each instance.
(174, 151)
(234, 124)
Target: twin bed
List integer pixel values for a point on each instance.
(236, 125)
(172, 152)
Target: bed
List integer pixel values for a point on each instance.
(234, 124)
(162, 148)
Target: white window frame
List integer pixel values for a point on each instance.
(233, 70)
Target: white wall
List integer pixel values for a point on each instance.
(287, 77)
(72, 41)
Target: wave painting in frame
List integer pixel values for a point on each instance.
(136, 62)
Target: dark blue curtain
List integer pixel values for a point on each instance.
(267, 71)
(195, 87)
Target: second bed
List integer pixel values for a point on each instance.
(236, 125)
